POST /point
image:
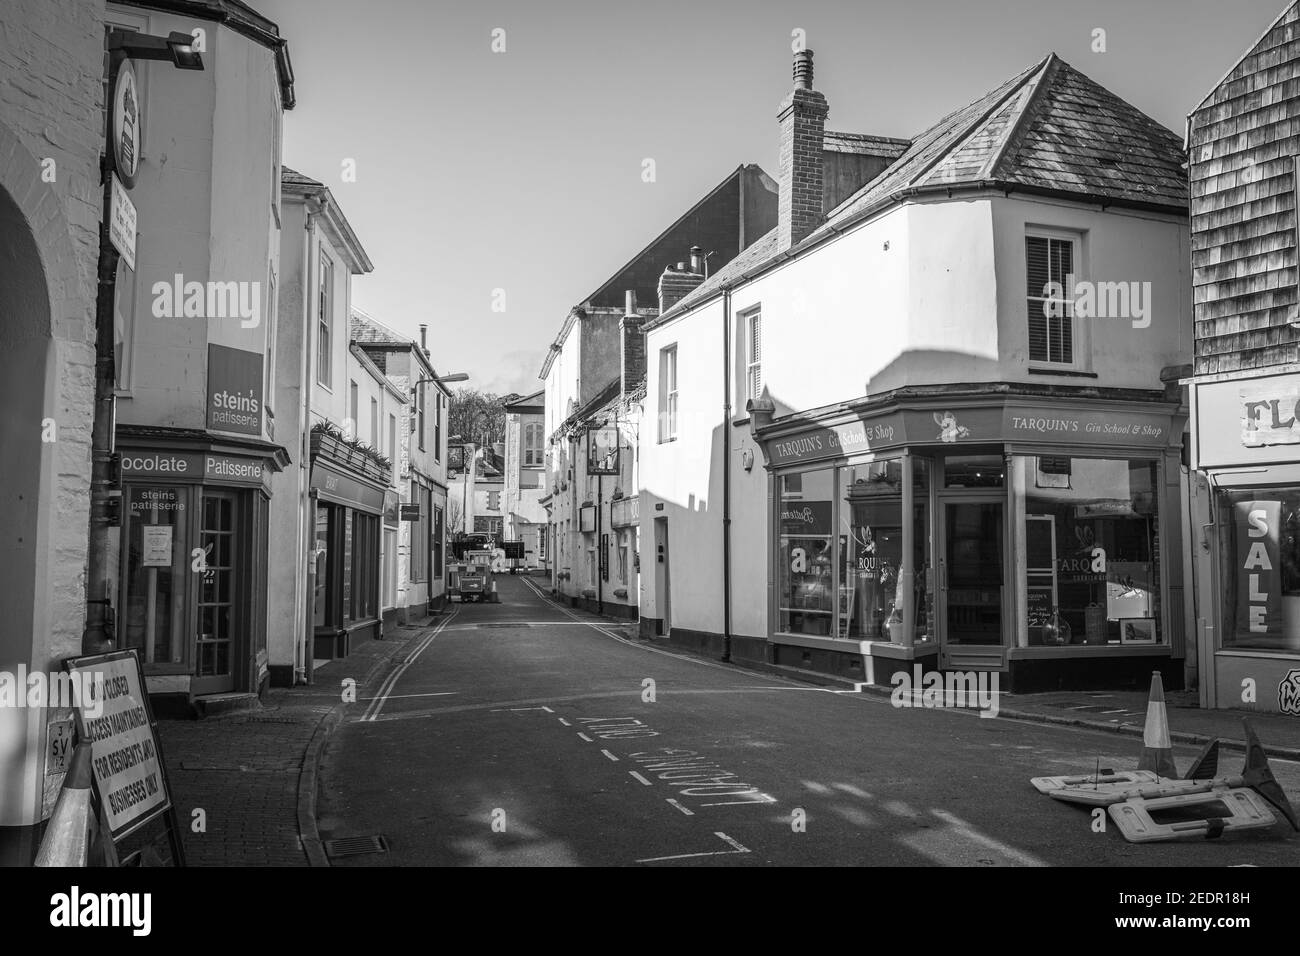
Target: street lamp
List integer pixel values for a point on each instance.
(123, 45)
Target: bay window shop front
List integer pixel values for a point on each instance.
(346, 572)
(989, 538)
(1248, 448)
(191, 587)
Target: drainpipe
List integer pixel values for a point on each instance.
(726, 475)
(302, 652)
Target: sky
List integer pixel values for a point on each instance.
(494, 190)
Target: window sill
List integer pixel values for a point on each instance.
(738, 422)
(1076, 373)
(665, 441)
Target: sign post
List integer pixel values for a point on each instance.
(130, 776)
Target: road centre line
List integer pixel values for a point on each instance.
(386, 688)
(443, 693)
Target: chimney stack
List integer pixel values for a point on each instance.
(631, 346)
(675, 284)
(803, 128)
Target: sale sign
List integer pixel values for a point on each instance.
(1257, 529)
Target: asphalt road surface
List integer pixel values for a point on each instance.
(524, 734)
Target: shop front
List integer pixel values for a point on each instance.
(346, 572)
(1247, 446)
(1018, 534)
(192, 573)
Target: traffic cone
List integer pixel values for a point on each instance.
(67, 837)
(1157, 750)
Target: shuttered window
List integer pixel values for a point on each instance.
(754, 355)
(1051, 315)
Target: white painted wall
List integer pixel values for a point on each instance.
(928, 293)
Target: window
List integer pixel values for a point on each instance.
(668, 394)
(392, 441)
(1049, 266)
(323, 318)
(437, 542)
(364, 567)
(156, 564)
(1259, 551)
(419, 530)
(374, 425)
(754, 355)
(1092, 550)
(437, 428)
(532, 445)
(419, 412)
(351, 427)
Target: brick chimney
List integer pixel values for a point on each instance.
(803, 127)
(675, 284)
(632, 345)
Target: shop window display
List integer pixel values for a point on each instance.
(805, 568)
(1259, 551)
(1092, 552)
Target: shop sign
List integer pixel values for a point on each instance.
(234, 390)
(341, 489)
(162, 464)
(124, 749)
(411, 512)
(1247, 421)
(1257, 525)
(122, 222)
(587, 518)
(1085, 427)
(392, 509)
(232, 470)
(836, 441)
(1270, 413)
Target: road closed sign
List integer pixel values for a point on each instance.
(124, 747)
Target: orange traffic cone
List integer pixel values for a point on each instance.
(67, 837)
(1157, 750)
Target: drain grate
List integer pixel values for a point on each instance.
(355, 846)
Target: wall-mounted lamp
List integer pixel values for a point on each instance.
(176, 46)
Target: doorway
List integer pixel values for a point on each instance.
(222, 618)
(663, 584)
(972, 581)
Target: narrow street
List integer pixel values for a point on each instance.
(521, 733)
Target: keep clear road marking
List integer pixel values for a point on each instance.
(386, 688)
(584, 737)
(686, 856)
(641, 778)
(610, 755)
(689, 813)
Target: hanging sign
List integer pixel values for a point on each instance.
(126, 124)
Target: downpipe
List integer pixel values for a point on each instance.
(726, 475)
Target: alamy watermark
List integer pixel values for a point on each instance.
(969, 690)
(210, 300)
(1099, 300)
(81, 689)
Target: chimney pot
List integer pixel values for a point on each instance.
(424, 332)
(629, 299)
(697, 260)
(803, 70)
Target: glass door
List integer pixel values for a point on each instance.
(219, 621)
(971, 573)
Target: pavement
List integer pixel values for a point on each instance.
(244, 783)
(517, 733)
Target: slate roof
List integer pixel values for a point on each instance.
(364, 330)
(865, 144)
(1049, 129)
(291, 177)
